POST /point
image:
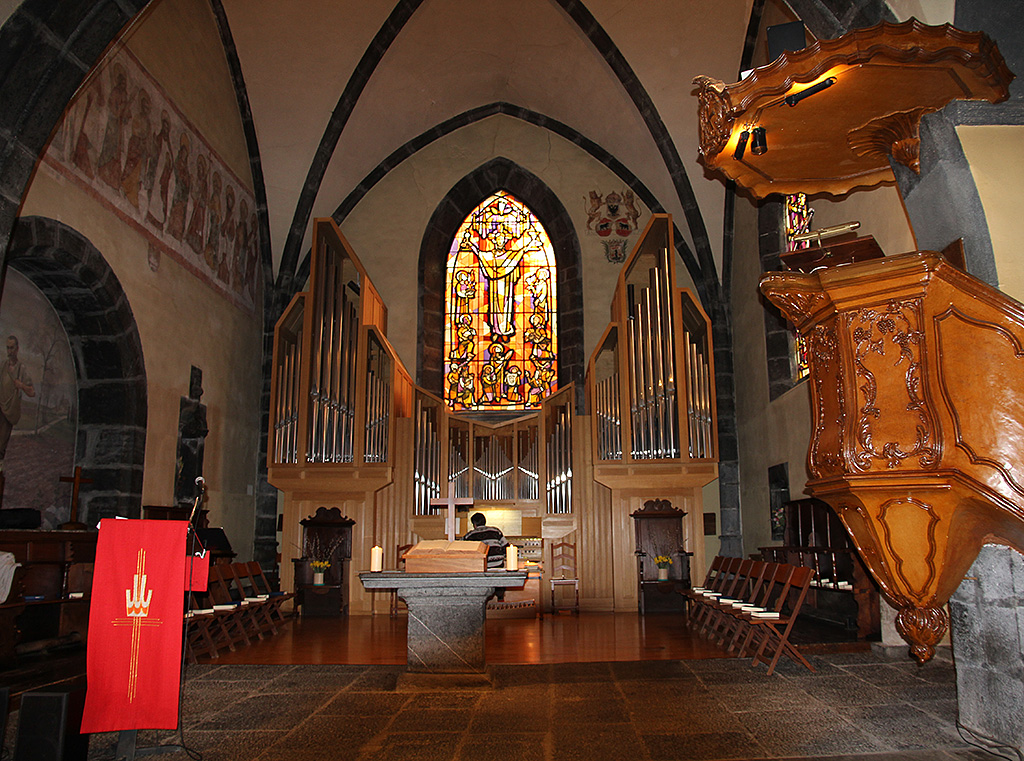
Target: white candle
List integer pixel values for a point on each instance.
(376, 559)
(511, 558)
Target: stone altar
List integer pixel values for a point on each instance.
(446, 615)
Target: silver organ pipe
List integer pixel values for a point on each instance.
(313, 453)
(458, 461)
(332, 365)
(609, 425)
(559, 462)
(286, 406)
(527, 469)
(427, 458)
(651, 340)
(699, 398)
(378, 403)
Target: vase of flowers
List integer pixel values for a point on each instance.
(319, 569)
(663, 562)
(319, 553)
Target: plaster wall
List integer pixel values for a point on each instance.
(182, 321)
(996, 155)
(880, 213)
(177, 39)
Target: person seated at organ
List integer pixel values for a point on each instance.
(492, 537)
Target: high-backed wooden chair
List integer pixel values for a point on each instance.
(399, 565)
(563, 573)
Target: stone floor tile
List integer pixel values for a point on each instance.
(702, 747)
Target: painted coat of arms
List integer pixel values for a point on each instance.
(613, 217)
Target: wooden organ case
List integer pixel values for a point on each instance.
(350, 430)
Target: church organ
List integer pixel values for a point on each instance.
(351, 431)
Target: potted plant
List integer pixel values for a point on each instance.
(663, 562)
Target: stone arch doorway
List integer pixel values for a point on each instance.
(105, 344)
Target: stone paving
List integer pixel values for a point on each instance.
(857, 707)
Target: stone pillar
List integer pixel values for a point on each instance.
(987, 622)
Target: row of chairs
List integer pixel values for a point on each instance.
(240, 605)
(750, 606)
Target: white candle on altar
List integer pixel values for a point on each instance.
(511, 558)
(377, 559)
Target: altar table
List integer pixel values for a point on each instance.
(446, 615)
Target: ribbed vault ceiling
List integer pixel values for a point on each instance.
(437, 59)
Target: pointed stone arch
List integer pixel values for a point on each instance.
(107, 351)
(499, 174)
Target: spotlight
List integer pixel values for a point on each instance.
(759, 143)
(792, 100)
(741, 145)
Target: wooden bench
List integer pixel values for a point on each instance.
(842, 591)
(49, 597)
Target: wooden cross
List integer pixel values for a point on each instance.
(450, 503)
(77, 480)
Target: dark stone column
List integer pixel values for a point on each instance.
(987, 625)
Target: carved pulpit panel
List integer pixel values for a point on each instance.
(918, 441)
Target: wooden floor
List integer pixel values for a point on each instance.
(563, 638)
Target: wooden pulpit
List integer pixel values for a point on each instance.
(917, 388)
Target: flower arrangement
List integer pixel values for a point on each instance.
(662, 561)
(318, 552)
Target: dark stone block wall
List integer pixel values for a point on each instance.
(107, 351)
(987, 624)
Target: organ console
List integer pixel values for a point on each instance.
(918, 421)
(350, 430)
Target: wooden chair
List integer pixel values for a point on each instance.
(563, 561)
(258, 604)
(261, 584)
(399, 565)
(775, 631)
(770, 630)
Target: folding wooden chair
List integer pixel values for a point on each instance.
(721, 580)
(235, 621)
(275, 598)
(257, 603)
(772, 628)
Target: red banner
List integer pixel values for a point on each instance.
(135, 626)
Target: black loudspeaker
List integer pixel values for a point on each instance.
(48, 727)
(783, 37)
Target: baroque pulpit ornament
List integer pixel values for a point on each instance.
(918, 453)
(829, 117)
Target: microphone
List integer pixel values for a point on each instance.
(201, 485)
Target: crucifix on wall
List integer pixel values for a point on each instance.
(192, 431)
(76, 482)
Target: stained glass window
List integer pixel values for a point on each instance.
(798, 220)
(501, 329)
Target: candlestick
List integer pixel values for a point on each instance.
(511, 558)
(376, 559)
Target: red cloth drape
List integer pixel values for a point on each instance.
(135, 626)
